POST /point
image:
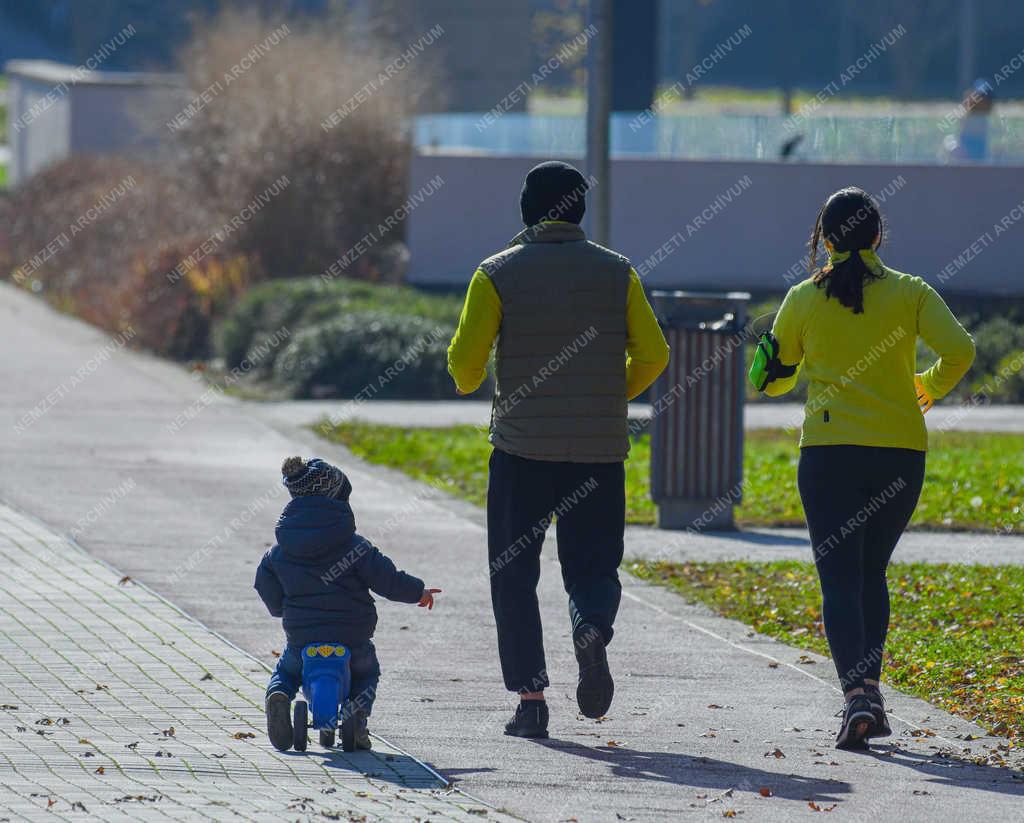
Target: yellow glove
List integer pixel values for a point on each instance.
(924, 400)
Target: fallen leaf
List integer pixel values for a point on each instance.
(776, 753)
(124, 581)
(613, 743)
(773, 665)
(207, 676)
(764, 791)
(729, 813)
(132, 746)
(100, 770)
(243, 735)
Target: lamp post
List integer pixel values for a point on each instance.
(599, 95)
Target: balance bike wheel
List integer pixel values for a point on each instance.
(348, 732)
(300, 723)
(327, 738)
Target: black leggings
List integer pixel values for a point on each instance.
(857, 500)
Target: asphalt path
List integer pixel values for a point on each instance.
(177, 486)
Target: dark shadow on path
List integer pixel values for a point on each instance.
(761, 539)
(399, 769)
(703, 772)
(952, 771)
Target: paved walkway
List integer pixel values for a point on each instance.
(114, 705)
(178, 488)
(473, 412)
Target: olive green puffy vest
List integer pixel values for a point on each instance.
(561, 352)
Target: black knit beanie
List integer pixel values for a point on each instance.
(553, 191)
(303, 478)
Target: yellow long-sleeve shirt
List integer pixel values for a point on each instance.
(646, 350)
(861, 366)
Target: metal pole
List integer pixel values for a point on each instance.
(599, 97)
(967, 46)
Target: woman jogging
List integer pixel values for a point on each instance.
(853, 327)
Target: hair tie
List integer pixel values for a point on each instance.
(869, 256)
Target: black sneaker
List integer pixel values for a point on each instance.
(279, 721)
(595, 689)
(857, 722)
(530, 720)
(362, 733)
(881, 727)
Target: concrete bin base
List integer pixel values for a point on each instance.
(699, 515)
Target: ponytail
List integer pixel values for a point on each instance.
(851, 223)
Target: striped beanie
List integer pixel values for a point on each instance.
(303, 478)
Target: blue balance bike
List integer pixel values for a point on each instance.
(326, 682)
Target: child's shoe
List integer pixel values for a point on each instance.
(279, 721)
(530, 720)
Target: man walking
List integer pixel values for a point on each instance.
(576, 338)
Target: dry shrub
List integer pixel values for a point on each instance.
(116, 269)
(269, 121)
(136, 264)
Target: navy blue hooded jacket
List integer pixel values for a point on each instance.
(319, 575)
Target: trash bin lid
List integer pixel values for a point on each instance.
(705, 310)
(703, 296)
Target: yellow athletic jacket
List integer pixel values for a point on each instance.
(646, 350)
(861, 366)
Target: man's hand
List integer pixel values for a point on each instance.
(428, 597)
(924, 400)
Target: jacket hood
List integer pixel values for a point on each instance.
(312, 527)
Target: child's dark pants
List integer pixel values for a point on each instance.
(589, 500)
(365, 669)
(858, 500)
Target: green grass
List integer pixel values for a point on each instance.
(973, 481)
(956, 634)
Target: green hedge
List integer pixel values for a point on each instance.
(344, 338)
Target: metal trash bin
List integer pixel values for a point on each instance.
(697, 409)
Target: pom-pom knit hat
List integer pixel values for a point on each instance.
(314, 477)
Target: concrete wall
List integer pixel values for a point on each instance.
(756, 216)
(55, 111)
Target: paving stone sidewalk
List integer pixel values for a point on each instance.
(118, 706)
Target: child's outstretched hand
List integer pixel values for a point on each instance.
(428, 597)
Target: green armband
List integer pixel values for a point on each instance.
(767, 366)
